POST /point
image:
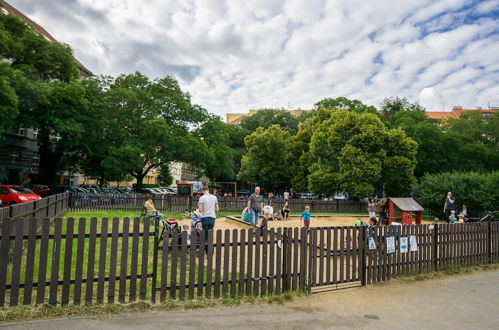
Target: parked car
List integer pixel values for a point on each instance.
(244, 192)
(307, 195)
(11, 195)
(341, 196)
(62, 189)
(40, 189)
(149, 191)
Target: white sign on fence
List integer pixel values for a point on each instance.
(414, 243)
(390, 244)
(404, 248)
(372, 244)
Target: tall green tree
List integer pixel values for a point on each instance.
(219, 160)
(236, 143)
(268, 117)
(41, 75)
(343, 103)
(300, 159)
(266, 163)
(356, 153)
(393, 105)
(148, 125)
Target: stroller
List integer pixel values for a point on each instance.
(486, 216)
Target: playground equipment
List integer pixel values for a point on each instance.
(404, 209)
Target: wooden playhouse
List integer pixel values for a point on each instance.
(403, 210)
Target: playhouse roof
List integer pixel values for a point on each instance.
(407, 204)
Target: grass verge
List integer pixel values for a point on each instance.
(451, 271)
(25, 313)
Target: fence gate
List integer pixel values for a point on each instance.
(336, 257)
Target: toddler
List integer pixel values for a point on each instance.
(305, 216)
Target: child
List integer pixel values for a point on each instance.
(186, 228)
(268, 212)
(452, 217)
(305, 216)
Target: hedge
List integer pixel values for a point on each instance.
(479, 191)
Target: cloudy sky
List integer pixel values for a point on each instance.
(233, 55)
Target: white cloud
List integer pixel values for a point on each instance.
(233, 55)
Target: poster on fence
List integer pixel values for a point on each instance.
(372, 244)
(390, 244)
(404, 244)
(414, 243)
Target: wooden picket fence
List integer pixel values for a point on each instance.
(121, 260)
(179, 204)
(46, 207)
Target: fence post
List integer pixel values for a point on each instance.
(155, 259)
(434, 248)
(362, 255)
(285, 247)
(489, 241)
(190, 203)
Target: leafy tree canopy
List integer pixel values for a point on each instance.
(268, 117)
(265, 163)
(343, 103)
(392, 105)
(146, 125)
(357, 154)
(219, 161)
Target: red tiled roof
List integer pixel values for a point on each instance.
(455, 113)
(237, 121)
(13, 11)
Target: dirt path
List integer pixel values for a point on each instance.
(460, 302)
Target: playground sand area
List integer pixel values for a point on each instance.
(227, 223)
(322, 221)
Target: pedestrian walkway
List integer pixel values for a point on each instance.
(457, 302)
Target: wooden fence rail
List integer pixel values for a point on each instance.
(45, 207)
(173, 203)
(121, 260)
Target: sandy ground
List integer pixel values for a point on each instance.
(224, 223)
(458, 302)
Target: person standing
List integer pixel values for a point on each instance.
(371, 208)
(449, 205)
(285, 211)
(208, 206)
(286, 195)
(255, 204)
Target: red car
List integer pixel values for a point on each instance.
(40, 189)
(11, 195)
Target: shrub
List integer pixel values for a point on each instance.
(479, 191)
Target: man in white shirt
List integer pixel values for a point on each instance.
(208, 205)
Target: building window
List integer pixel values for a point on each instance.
(15, 155)
(36, 158)
(35, 133)
(21, 130)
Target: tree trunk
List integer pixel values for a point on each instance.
(49, 159)
(139, 178)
